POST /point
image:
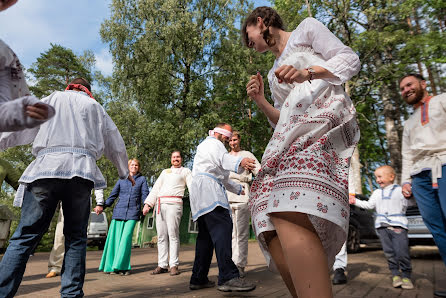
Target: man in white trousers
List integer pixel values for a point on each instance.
(167, 196)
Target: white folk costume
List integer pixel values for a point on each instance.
(390, 206)
(240, 211)
(14, 94)
(66, 149)
(423, 145)
(306, 163)
(166, 197)
(60, 146)
(424, 164)
(212, 165)
(210, 208)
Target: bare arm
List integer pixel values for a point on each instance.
(256, 91)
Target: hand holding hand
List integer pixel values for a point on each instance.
(248, 163)
(289, 74)
(407, 190)
(38, 111)
(351, 199)
(146, 209)
(98, 209)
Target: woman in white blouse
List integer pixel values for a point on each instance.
(299, 200)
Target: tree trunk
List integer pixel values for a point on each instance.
(355, 165)
(392, 118)
(355, 172)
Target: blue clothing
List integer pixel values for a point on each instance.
(131, 198)
(395, 245)
(432, 205)
(39, 205)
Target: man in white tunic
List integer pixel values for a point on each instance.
(239, 205)
(424, 156)
(66, 149)
(167, 196)
(210, 208)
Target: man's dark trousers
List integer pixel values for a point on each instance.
(39, 204)
(214, 231)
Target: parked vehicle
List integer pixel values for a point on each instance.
(418, 232)
(361, 228)
(97, 230)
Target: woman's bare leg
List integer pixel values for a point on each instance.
(275, 249)
(304, 254)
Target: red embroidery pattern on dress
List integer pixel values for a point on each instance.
(322, 208)
(294, 195)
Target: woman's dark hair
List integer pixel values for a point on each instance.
(270, 18)
(82, 82)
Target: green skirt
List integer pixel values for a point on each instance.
(118, 247)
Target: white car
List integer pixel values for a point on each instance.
(418, 233)
(97, 230)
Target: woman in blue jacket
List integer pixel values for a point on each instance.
(116, 255)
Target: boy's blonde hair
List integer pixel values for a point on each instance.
(388, 169)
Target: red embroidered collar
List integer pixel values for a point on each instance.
(80, 87)
(424, 104)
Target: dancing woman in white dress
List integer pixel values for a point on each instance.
(299, 200)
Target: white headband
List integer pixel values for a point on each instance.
(221, 131)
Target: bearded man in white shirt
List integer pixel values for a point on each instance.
(66, 149)
(424, 156)
(210, 208)
(167, 196)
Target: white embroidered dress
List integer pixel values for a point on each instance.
(306, 163)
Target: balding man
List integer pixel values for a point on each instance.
(210, 208)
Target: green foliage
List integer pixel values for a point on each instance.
(55, 68)
(164, 54)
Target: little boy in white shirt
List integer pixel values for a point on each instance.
(391, 224)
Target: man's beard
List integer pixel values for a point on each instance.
(419, 94)
(221, 138)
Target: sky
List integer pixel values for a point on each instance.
(30, 26)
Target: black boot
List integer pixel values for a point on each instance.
(440, 294)
(339, 277)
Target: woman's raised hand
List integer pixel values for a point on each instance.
(255, 88)
(289, 74)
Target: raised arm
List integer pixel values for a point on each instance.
(341, 61)
(115, 149)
